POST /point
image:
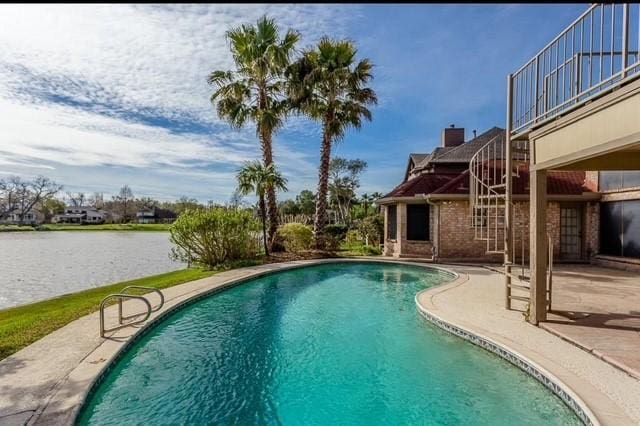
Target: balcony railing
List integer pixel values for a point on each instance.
(596, 53)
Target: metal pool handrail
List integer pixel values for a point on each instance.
(120, 297)
(121, 317)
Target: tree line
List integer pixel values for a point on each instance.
(273, 80)
(19, 197)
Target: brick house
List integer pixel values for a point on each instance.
(429, 215)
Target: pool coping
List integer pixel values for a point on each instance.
(64, 402)
(571, 399)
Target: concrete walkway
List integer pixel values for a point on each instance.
(477, 305)
(598, 309)
(46, 382)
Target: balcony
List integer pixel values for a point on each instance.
(596, 54)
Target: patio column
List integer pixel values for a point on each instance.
(401, 229)
(538, 246)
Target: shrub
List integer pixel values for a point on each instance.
(215, 236)
(336, 230)
(353, 236)
(334, 235)
(371, 228)
(296, 237)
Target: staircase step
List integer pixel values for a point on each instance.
(498, 186)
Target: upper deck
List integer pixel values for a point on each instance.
(597, 53)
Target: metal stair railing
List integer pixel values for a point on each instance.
(121, 318)
(488, 186)
(524, 279)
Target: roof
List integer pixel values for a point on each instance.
(558, 183)
(461, 153)
(417, 158)
(423, 184)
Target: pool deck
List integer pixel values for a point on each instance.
(598, 309)
(476, 304)
(46, 382)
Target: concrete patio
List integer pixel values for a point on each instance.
(598, 309)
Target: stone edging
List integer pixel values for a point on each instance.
(555, 385)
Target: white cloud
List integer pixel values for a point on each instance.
(102, 86)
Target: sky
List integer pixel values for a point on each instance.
(99, 96)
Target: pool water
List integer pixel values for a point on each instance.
(330, 344)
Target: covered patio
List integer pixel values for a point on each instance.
(598, 309)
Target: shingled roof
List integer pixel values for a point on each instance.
(423, 184)
(461, 153)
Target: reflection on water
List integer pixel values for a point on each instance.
(40, 265)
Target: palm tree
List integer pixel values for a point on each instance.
(258, 179)
(366, 201)
(375, 197)
(254, 91)
(329, 86)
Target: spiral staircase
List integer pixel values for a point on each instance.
(493, 170)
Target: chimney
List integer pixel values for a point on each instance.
(452, 136)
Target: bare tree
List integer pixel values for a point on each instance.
(31, 193)
(8, 198)
(76, 200)
(125, 200)
(96, 200)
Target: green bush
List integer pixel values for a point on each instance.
(334, 235)
(371, 229)
(336, 230)
(353, 236)
(215, 236)
(296, 237)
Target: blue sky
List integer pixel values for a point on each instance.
(98, 96)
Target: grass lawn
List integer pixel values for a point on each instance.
(15, 228)
(23, 325)
(358, 249)
(107, 227)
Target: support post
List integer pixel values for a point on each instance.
(508, 211)
(625, 39)
(401, 236)
(538, 246)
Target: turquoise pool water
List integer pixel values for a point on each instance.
(330, 344)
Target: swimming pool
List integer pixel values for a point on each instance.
(330, 344)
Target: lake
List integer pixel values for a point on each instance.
(40, 265)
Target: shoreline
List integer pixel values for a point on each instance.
(113, 227)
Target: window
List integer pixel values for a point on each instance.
(418, 222)
(615, 181)
(392, 222)
(620, 228)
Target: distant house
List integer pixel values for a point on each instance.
(81, 215)
(34, 217)
(155, 215)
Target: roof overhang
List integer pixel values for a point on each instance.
(421, 198)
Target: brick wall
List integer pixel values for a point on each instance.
(457, 236)
(592, 229)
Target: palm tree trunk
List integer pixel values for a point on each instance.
(263, 214)
(267, 158)
(323, 187)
